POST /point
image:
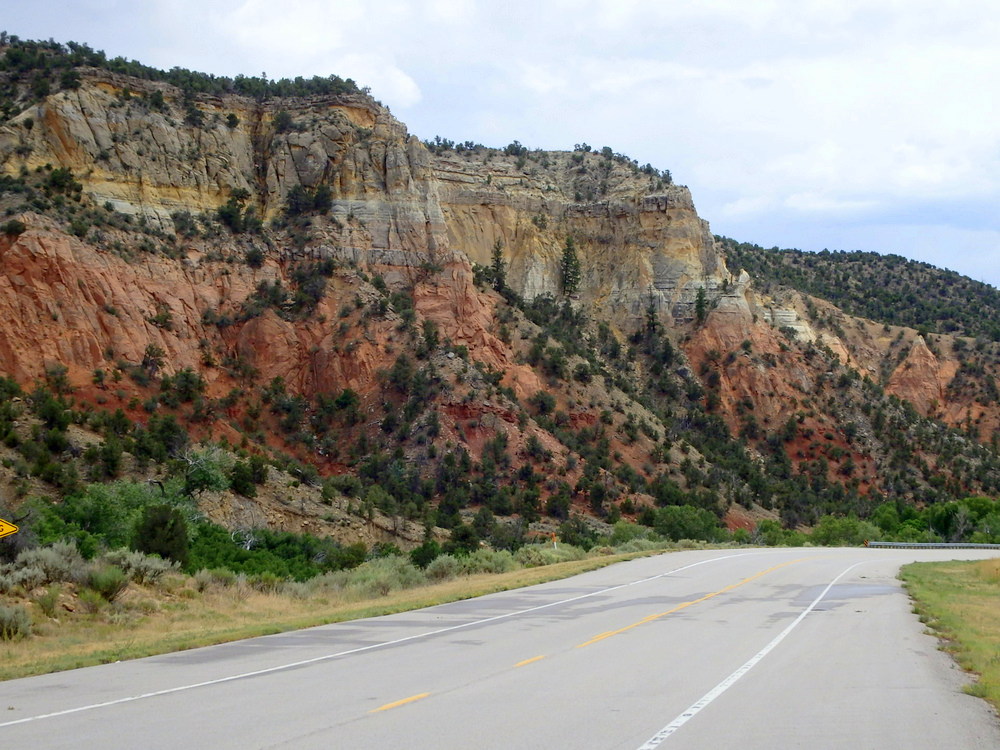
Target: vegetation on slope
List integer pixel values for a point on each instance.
(624, 427)
(31, 70)
(886, 288)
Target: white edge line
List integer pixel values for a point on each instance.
(370, 647)
(657, 739)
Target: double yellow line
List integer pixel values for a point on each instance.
(603, 636)
(685, 605)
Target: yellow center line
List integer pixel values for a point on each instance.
(397, 704)
(684, 605)
(529, 661)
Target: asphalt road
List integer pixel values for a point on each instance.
(788, 648)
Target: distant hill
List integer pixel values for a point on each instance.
(887, 288)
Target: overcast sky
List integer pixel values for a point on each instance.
(840, 124)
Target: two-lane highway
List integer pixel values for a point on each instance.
(812, 648)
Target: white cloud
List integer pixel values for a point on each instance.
(748, 206)
(542, 79)
(302, 28)
(821, 203)
(388, 82)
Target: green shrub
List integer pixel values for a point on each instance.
(741, 536)
(769, 532)
(464, 540)
(346, 484)
(15, 623)
(91, 601)
(843, 531)
(443, 568)
(641, 545)
(687, 522)
(488, 561)
(58, 562)
(203, 471)
(13, 228)
(241, 479)
(108, 581)
(284, 554)
(162, 530)
(254, 257)
(139, 567)
(534, 555)
(383, 575)
(99, 516)
(543, 401)
(47, 601)
(624, 532)
(577, 531)
(283, 122)
(27, 577)
(425, 554)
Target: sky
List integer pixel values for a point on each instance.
(838, 124)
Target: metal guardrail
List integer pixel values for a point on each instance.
(931, 545)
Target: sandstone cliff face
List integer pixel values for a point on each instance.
(152, 161)
(389, 192)
(636, 249)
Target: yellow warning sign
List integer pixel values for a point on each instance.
(6, 528)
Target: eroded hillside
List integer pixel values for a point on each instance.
(301, 276)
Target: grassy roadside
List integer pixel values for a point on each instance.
(172, 616)
(960, 602)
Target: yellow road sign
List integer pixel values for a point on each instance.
(7, 528)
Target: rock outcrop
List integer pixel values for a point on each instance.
(921, 378)
(389, 193)
(636, 249)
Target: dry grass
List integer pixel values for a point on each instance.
(174, 616)
(960, 601)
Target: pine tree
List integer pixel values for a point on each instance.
(652, 321)
(701, 305)
(162, 531)
(499, 268)
(570, 268)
